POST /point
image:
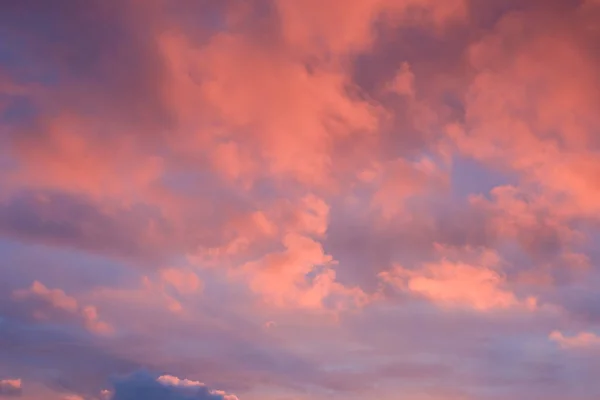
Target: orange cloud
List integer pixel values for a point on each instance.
(530, 106)
(298, 148)
(77, 156)
(292, 128)
(183, 281)
(282, 277)
(478, 286)
(307, 215)
(300, 276)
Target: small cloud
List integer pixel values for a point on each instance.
(581, 340)
(170, 380)
(73, 397)
(11, 387)
(54, 297)
(270, 324)
(53, 301)
(404, 81)
(183, 281)
(477, 285)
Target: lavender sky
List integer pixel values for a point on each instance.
(299, 199)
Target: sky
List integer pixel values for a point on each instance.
(299, 199)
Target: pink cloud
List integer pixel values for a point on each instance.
(237, 162)
(532, 97)
(580, 340)
(183, 281)
(77, 162)
(282, 277)
(10, 387)
(401, 180)
(58, 300)
(480, 286)
(322, 111)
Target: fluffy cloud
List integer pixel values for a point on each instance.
(217, 179)
(541, 100)
(450, 283)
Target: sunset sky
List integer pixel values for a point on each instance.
(300, 199)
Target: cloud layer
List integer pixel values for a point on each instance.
(299, 199)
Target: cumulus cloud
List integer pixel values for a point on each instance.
(143, 385)
(202, 167)
(480, 286)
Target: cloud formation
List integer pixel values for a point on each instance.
(455, 284)
(300, 199)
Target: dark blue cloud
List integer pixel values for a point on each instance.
(146, 386)
(67, 220)
(67, 360)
